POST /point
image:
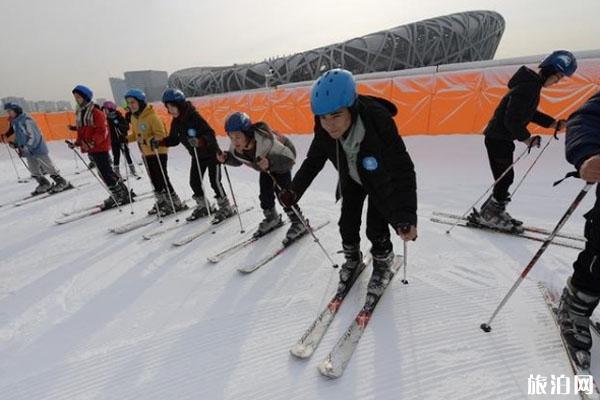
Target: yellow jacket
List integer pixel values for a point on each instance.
(145, 127)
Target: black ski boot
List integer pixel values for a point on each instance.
(167, 207)
(574, 311)
(271, 221)
(43, 185)
(200, 211)
(225, 211)
(493, 215)
(60, 184)
(120, 195)
(297, 229)
(382, 273)
(351, 268)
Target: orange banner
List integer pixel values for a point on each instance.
(437, 103)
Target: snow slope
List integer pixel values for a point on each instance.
(86, 314)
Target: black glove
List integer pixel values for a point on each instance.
(534, 141)
(155, 143)
(288, 198)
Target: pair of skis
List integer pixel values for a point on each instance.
(36, 197)
(575, 359)
(568, 240)
(334, 365)
(88, 211)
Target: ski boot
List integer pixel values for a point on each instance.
(574, 311)
(42, 187)
(133, 172)
(297, 229)
(200, 211)
(382, 273)
(351, 268)
(158, 203)
(493, 215)
(271, 221)
(60, 184)
(120, 195)
(167, 207)
(225, 211)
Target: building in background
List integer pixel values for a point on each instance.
(153, 83)
(118, 86)
(454, 38)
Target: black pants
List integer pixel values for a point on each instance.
(378, 231)
(214, 174)
(156, 176)
(117, 147)
(500, 154)
(268, 188)
(586, 276)
(102, 161)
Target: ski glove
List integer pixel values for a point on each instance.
(288, 198)
(200, 142)
(155, 143)
(534, 141)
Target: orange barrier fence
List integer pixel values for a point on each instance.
(435, 103)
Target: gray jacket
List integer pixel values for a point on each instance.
(278, 149)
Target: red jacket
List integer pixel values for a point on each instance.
(94, 139)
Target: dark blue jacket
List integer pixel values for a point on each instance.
(583, 132)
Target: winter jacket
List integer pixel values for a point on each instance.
(384, 166)
(118, 127)
(518, 108)
(583, 132)
(28, 135)
(278, 149)
(93, 138)
(146, 126)
(191, 124)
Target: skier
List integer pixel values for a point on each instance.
(359, 136)
(30, 143)
(93, 138)
(259, 147)
(509, 123)
(148, 129)
(189, 128)
(582, 292)
(118, 127)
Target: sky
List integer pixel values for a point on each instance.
(50, 46)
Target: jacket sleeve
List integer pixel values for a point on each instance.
(541, 119)
(159, 131)
(173, 138)
(311, 166)
(100, 129)
(31, 130)
(398, 190)
(581, 142)
(519, 109)
(204, 130)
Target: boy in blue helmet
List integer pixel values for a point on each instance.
(509, 123)
(582, 292)
(359, 136)
(190, 129)
(30, 144)
(259, 147)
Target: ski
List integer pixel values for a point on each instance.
(573, 357)
(84, 214)
(265, 260)
(240, 245)
(467, 224)
(143, 221)
(205, 229)
(335, 363)
(31, 199)
(532, 229)
(137, 197)
(311, 338)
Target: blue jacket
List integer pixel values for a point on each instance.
(28, 135)
(583, 132)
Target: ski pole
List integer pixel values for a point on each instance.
(122, 146)
(535, 161)
(237, 211)
(486, 327)
(202, 182)
(19, 179)
(488, 189)
(164, 176)
(405, 262)
(72, 147)
(304, 222)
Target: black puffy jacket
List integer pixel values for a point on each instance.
(118, 127)
(390, 181)
(518, 108)
(190, 123)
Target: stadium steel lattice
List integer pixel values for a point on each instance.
(461, 37)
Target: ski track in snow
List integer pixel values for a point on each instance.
(86, 314)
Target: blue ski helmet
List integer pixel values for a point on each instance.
(173, 96)
(13, 106)
(562, 61)
(333, 90)
(238, 122)
(84, 92)
(137, 94)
